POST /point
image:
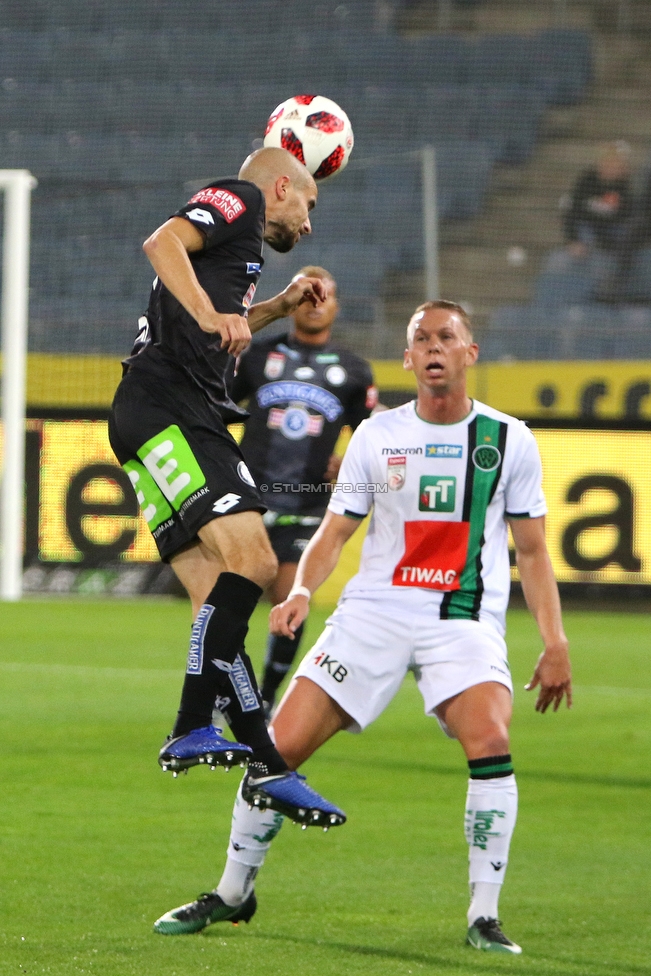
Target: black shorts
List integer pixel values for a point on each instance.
(290, 534)
(185, 467)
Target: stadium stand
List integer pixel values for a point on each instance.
(572, 331)
(120, 113)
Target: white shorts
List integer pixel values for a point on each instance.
(368, 647)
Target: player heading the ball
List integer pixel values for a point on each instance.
(168, 429)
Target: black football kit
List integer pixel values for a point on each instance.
(168, 420)
(299, 398)
(168, 429)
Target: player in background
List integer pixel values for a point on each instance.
(168, 429)
(445, 477)
(302, 390)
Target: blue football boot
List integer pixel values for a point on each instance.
(289, 794)
(204, 745)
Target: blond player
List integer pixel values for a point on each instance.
(444, 477)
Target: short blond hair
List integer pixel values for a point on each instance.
(446, 306)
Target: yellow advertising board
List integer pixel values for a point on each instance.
(598, 489)
(524, 389)
(81, 508)
(548, 389)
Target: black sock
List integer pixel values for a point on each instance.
(219, 671)
(281, 652)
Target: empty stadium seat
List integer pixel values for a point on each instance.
(587, 331)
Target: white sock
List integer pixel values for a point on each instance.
(484, 896)
(251, 834)
(491, 812)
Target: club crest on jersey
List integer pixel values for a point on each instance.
(295, 422)
(486, 457)
(312, 396)
(274, 366)
(396, 472)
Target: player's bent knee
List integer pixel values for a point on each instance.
(492, 740)
(259, 567)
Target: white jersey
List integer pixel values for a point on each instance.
(440, 494)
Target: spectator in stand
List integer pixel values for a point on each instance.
(596, 224)
(598, 213)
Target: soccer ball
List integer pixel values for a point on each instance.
(315, 130)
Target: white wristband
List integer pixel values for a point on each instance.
(300, 591)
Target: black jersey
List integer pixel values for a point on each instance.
(230, 215)
(300, 398)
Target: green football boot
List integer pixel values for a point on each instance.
(208, 908)
(486, 934)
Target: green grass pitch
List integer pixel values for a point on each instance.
(96, 842)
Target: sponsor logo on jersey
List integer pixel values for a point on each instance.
(333, 667)
(248, 298)
(245, 474)
(444, 450)
(288, 391)
(290, 353)
(402, 450)
(229, 204)
(253, 267)
(486, 457)
(304, 373)
(323, 358)
(396, 472)
(295, 422)
(199, 627)
(336, 375)
(437, 494)
(274, 366)
(240, 681)
(435, 555)
(200, 216)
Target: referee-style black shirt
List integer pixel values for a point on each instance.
(171, 346)
(300, 396)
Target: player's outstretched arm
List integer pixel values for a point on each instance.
(300, 289)
(552, 675)
(317, 562)
(168, 249)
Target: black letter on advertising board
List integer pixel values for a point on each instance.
(96, 553)
(621, 517)
(590, 397)
(635, 397)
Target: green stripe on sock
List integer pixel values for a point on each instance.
(503, 769)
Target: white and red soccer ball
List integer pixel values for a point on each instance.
(315, 130)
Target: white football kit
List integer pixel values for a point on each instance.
(433, 584)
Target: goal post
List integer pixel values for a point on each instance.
(17, 185)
